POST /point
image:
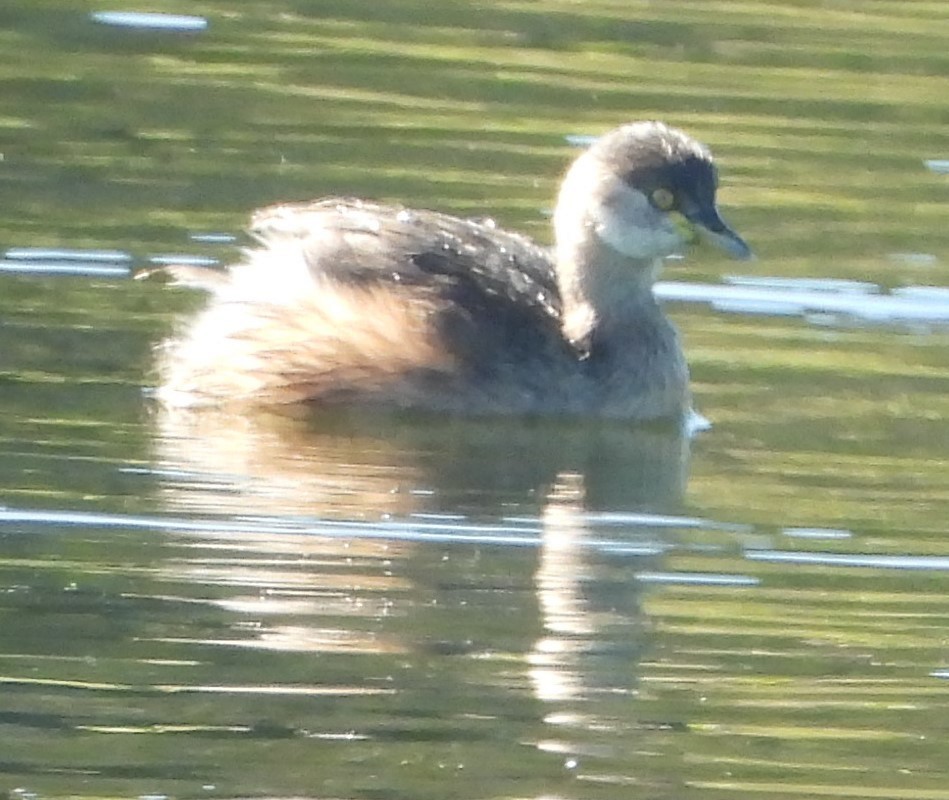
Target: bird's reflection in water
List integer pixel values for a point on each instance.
(576, 486)
(359, 465)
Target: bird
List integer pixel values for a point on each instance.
(357, 303)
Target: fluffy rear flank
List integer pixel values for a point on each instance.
(266, 340)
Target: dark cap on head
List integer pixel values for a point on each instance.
(649, 156)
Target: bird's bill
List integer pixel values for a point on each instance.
(711, 227)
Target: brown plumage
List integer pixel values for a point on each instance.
(351, 302)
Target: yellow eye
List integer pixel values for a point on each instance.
(663, 199)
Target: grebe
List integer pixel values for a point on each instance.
(352, 302)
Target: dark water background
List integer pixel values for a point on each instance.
(349, 607)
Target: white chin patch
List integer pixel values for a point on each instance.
(628, 222)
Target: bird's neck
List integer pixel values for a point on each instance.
(601, 288)
(605, 281)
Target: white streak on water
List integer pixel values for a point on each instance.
(63, 268)
(150, 21)
(865, 560)
(63, 254)
(184, 260)
(916, 304)
(697, 578)
(449, 532)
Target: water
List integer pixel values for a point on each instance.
(407, 606)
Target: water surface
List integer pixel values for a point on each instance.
(405, 606)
